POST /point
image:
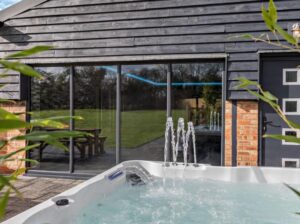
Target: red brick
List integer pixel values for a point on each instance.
(247, 133)
(9, 167)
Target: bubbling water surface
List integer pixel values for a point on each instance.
(179, 201)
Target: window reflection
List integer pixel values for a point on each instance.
(143, 111)
(94, 101)
(50, 98)
(197, 97)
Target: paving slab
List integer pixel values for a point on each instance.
(35, 190)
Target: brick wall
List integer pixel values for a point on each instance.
(18, 107)
(228, 133)
(247, 133)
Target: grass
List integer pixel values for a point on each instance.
(138, 127)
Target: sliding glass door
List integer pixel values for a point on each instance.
(50, 98)
(144, 95)
(95, 102)
(90, 92)
(197, 97)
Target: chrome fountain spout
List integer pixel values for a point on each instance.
(169, 129)
(180, 136)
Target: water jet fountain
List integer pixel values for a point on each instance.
(182, 141)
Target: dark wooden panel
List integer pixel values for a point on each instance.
(137, 50)
(10, 95)
(240, 95)
(243, 66)
(142, 32)
(198, 15)
(10, 79)
(10, 88)
(252, 47)
(59, 3)
(172, 8)
(255, 26)
(4, 71)
(233, 86)
(253, 75)
(125, 42)
(13, 28)
(240, 56)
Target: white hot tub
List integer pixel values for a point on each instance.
(177, 194)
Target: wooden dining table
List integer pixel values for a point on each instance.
(93, 140)
(92, 143)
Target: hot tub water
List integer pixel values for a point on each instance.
(179, 201)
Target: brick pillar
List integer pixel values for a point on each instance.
(18, 107)
(228, 133)
(247, 133)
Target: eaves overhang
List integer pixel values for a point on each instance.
(18, 8)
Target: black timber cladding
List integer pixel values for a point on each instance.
(120, 28)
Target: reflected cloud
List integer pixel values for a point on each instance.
(6, 3)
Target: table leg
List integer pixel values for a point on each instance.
(40, 153)
(97, 151)
(90, 147)
(41, 149)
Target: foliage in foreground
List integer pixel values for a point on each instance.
(14, 121)
(270, 17)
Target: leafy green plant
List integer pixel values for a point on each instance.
(11, 121)
(270, 17)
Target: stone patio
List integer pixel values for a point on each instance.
(36, 190)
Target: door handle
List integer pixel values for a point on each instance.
(268, 123)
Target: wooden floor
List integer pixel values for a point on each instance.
(35, 191)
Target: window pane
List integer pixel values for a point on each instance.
(291, 76)
(50, 98)
(291, 133)
(94, 101)
(290, 164)
(144, 93)
(291, 106)
(197, 97)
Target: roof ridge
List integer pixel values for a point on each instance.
(18, 8)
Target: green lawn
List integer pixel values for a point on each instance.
(138, 127)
